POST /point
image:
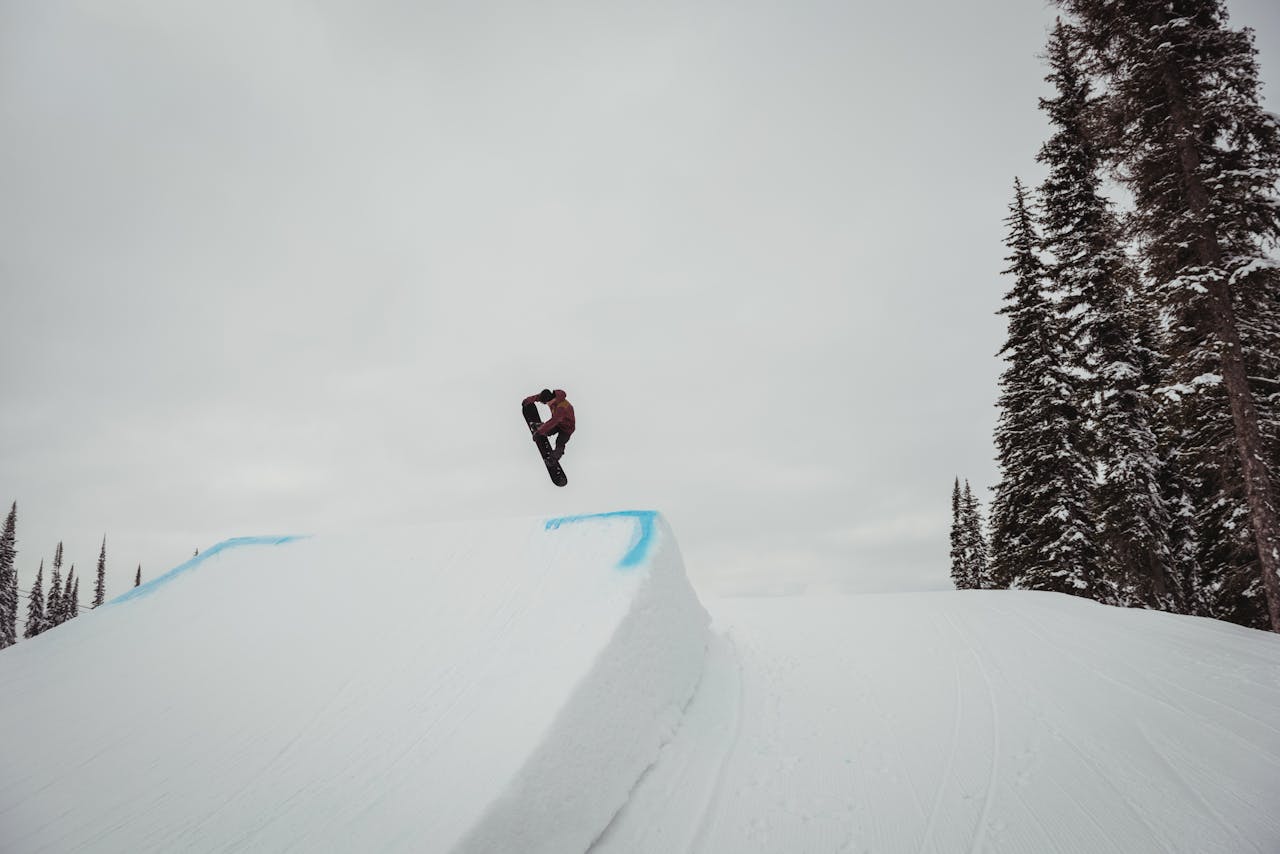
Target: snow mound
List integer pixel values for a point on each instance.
(496, 686)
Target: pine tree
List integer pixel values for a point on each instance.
(137, 579)
(69, 606)
(53, 607)
(1202, 159)
(1028, 313)
(960, 575)
(73, 601)
(100, 585)
(35, 606)
(1043, 535)
(1173, 485)
(9, 580)
(1102, 315)
(975, 542)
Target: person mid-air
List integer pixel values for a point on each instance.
(561, 423)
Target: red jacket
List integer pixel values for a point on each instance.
(561, 413)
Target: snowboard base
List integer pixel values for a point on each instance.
(531, 417)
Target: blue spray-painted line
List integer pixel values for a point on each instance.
(235, 542)
(644, 531)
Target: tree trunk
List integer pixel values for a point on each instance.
(1244, 414)
(1257, 479)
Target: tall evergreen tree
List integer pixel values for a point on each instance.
(137, 579)
(100, 585)
(975, 541)
(1174, 486)
(35, 606)
(959, 570)
(53, 606)
(68, 607)
(9, 580)
(1202, 159)
(1043, 535)
(73, 601)
(1028, 314)
(1103, 316)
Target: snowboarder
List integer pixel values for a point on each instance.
(561, 423)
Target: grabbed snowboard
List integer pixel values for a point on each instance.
(534, 421)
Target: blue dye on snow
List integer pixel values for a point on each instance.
(235, 542)
(644, 531)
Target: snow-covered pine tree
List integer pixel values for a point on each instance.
(137, 579)
(960, 575)
(68, 608)
(100, 584)
(1028, 313)
(35, 606)
(53, 605)
(1042, 531)
(975, 542)
(1173, 486)
(9, 580)
(1101, 313)
(1260, 331)
(73, 602)
(1202, 159)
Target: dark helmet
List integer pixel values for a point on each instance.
(545, 395)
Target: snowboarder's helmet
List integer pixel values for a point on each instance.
(545, 395)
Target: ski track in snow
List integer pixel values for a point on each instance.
(712, 803)
(688, 773)
(990, 702)
(994, 775)
(1176, 773)
(1099, 765)
(944, 779)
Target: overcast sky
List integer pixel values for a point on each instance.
(289, 267)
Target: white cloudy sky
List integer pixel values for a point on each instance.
(289, 267)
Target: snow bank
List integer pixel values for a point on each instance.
(479, 686)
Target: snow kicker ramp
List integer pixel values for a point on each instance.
(478, 687)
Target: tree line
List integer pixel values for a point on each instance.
(43, 611)
(1139, 428)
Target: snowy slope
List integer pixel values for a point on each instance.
(552, 686)
(994, 721)
(476, 687)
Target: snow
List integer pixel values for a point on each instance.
(1175, 391)
(1251, 266)
(997, 721)
(554, 685)
(473, 687)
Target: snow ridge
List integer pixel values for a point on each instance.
(614, 725)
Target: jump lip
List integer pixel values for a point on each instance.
(645, 527)
(231, 543)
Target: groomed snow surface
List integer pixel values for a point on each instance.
(556, 686)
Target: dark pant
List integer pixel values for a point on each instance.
(562, 434)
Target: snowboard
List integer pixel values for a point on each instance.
(534, 421)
